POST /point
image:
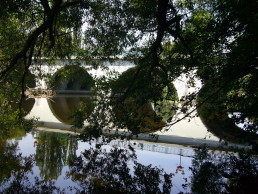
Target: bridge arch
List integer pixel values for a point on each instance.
(63, 107)
(143, 108)
(71, 78)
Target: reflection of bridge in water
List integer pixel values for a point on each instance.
(162, 148)
(183, 151)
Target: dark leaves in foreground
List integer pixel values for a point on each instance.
(224, 173)
(117, 171)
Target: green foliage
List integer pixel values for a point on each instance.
(141, 83)
(10, 161)
(166, 108)
(82, 112)
(240, 100)
(134, 92)
(97, 170)
(12, 124)
(216, 40)
(224, 172)
(113, 26)
(138, 118)
(215, 115)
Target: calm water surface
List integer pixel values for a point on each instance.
(52, 154)
(53, 151)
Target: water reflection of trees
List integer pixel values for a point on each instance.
(224, 173)
(53, 152)
(12, 125)
(16, 170)
(10, 161)
(97, 170)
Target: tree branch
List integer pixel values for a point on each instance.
(176, 34)
(45, 5)
(33, 37)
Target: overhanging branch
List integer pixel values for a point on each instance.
(47, 25)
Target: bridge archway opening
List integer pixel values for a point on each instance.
(70, 83)
(71, 77)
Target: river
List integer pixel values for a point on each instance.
(52, 148)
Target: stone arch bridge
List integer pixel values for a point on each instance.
(49, 114)
(44, 67)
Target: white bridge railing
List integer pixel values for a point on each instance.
(153, 147)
